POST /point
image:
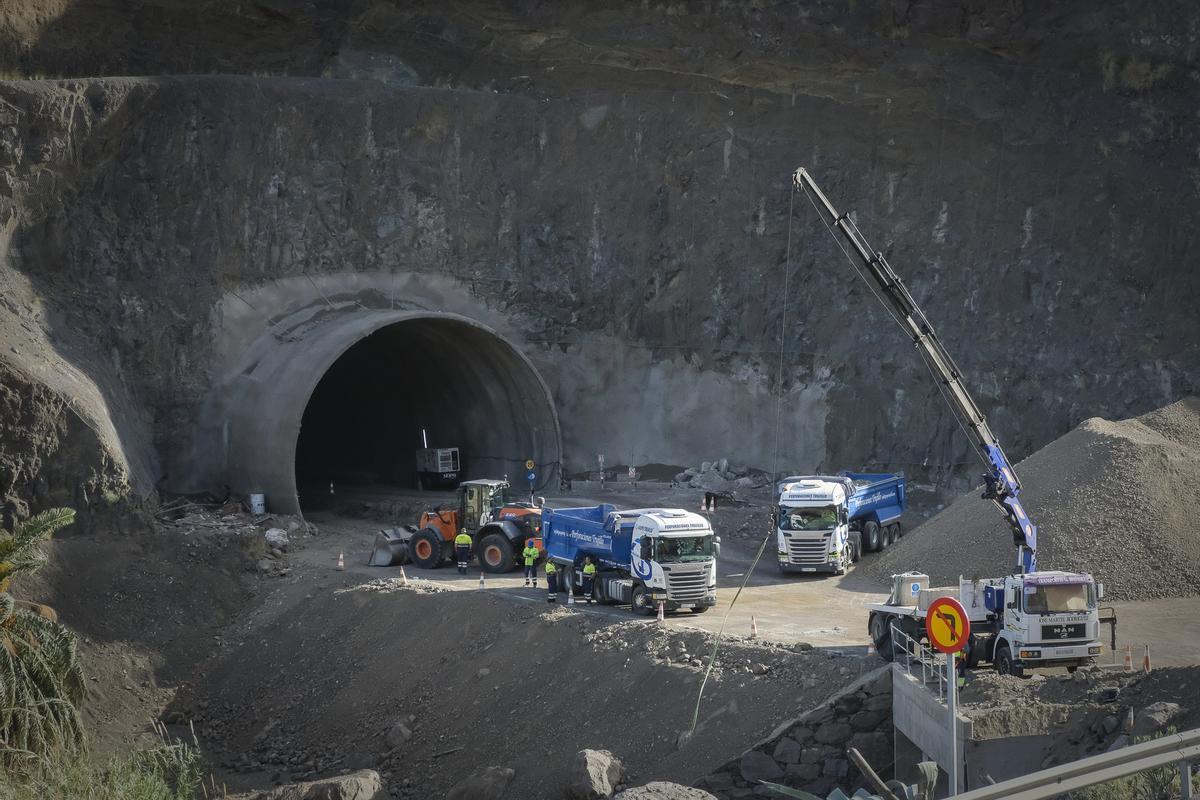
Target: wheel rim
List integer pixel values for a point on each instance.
(491, 554)
(639, 601)
(424, 549)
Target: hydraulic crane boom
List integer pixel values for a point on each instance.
(1001, 484)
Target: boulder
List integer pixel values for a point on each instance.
(867, 720)
(836, 768)
(362, 785)
(787, 751)
(756, 766)
(834, 733)
(684, 477)
(744, 483)
(1155, 718)
(722, 465)
(710, 482)
(594, 774)
(277, 538)
(488, 783)
(663, 790)
(803, 772)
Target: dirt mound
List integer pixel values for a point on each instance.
(1116, 499)
(311, 682)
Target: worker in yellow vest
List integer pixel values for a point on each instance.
(551, 582)
(589, 579)
(462, 550)
(530, 554)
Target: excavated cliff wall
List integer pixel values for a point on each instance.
(614, 199)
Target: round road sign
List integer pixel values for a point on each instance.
(529, 463)
(947, 625)
(531, 477)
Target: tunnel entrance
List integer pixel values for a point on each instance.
(440, 382)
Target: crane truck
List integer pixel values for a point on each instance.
(1022, 620)
(823, 523)
(643, 557)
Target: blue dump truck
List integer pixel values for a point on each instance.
(824, 523)
(642, 556)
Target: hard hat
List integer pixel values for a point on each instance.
(464, 530)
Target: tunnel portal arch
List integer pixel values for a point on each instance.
(345, 400)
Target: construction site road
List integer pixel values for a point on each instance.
(825, 611)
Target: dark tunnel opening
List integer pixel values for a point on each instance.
(446, 382)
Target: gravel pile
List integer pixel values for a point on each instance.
(1117, 499)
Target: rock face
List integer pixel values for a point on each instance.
(810, 752)
(594, 774)
(362, 785)
(1025, 171)
(486, 784)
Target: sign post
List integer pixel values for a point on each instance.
(530, 475)
(949, 630)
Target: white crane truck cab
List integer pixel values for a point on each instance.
(812, 526)
(1018, 622)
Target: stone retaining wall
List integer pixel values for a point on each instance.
(810, 752)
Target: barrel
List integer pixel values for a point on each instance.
(258, 503)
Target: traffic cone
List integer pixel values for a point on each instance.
(753, 628)
(1146, 660)
(403, 577)
(481, 583)
(341, 561)
(570, 595)
(1129, 658)
(661, 606)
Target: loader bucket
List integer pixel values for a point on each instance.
(391, 548)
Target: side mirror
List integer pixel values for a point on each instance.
(717, 546)
(1099, 591)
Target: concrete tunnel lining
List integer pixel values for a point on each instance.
(506, 407)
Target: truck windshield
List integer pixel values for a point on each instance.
(684, 548)
(1059, 598)
(822, 518)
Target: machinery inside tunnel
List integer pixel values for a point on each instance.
(425, 381)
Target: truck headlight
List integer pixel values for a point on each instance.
(1030, 654)
(1095, 649)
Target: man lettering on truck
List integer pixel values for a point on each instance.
(589, 579)
(531, 556)
(462, 550)
(551, 582)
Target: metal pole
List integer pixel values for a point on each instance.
(1185, 782)
(952, 702)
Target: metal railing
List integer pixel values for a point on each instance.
(920, 661)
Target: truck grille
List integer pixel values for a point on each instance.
(808, 551)
(1051, 633)
(687, 586)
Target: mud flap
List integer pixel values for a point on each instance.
(391, 548)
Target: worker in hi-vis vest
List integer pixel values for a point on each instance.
(551, 582)
(589, 579)
(462, 550)
(530, 553)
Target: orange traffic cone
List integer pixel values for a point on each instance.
(481, 584)
(1146, 660)
(341, 561)
(403, 577)
(753, 628)
(660, 610)
(1129, 658)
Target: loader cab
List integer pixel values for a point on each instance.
(481, 501)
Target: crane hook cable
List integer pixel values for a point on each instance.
(712, 657)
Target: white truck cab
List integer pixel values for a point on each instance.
(812, 527)
(673, 558)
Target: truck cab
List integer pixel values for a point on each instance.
(673, 554)
(812, 526)
(1050, 618)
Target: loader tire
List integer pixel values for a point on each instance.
(495, 553)
(426, 548)
(871, 537)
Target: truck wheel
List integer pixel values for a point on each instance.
(871, 536)
(700, 609)
(881, 634)
(642, 604)
(899, 530)
(855, 542)
(495, 553)
(1004, 662)
(426, 549)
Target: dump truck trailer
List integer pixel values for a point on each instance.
(823, 523)
(643, 556)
